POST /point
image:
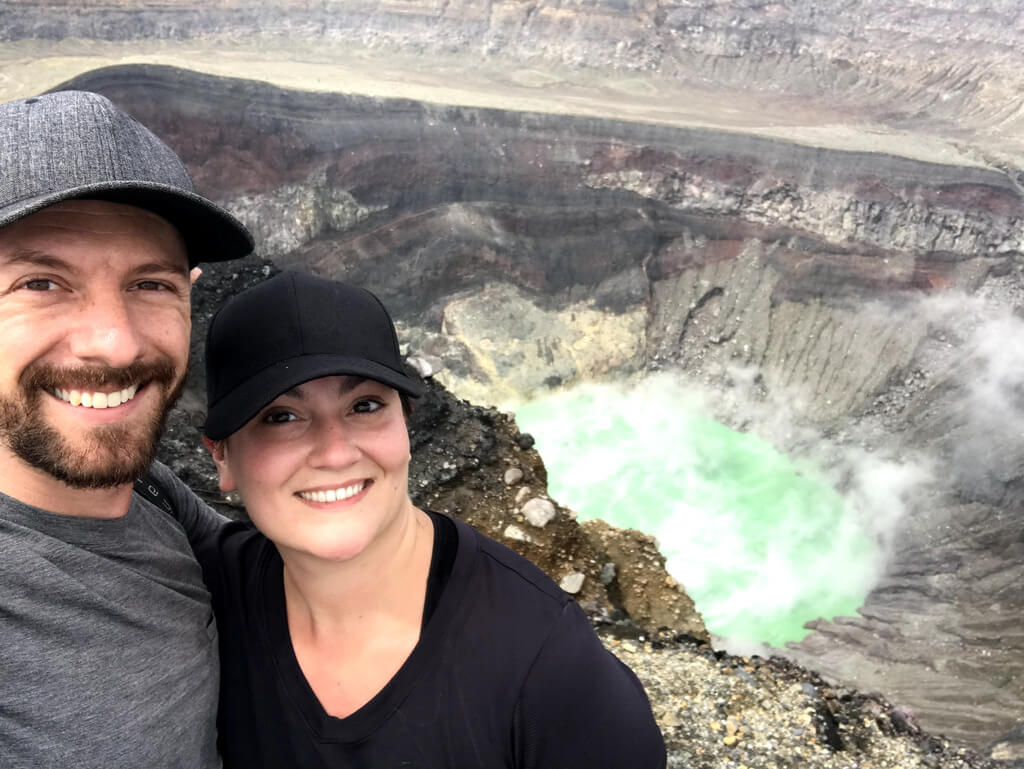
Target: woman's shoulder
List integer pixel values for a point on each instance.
(519, 577)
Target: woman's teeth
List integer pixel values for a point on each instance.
(333, 495)
(97, 400)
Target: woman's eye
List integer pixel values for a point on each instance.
(279, 417)
(366, 406)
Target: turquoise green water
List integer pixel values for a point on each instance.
(762, 543)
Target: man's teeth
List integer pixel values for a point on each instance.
(97, 400)
(332, 495)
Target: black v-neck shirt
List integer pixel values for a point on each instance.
(507, 671)
(446, 545)
(368, 718)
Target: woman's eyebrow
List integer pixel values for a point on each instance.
(295, 392)
(345, 385)
(350, 383)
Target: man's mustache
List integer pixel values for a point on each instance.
(49, 377)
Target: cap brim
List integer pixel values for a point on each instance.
(211, 234)
(243, 403)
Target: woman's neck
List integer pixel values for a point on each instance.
(353, 624)
(385, 582)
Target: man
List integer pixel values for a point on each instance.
(109, 649)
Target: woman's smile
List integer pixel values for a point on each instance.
(338, 494)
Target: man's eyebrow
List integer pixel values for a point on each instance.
(148, 268)
(35, 258)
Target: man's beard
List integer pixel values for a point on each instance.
(102, 456)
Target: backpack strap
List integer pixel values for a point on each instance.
(151, 490)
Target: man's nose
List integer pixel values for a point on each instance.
(106, 331)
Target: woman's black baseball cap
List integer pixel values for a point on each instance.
(288, 330)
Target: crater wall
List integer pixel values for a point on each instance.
(932, 68)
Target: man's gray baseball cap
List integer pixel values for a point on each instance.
(71, 145)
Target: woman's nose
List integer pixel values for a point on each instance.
(335, 446)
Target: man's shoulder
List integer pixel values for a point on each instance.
(160, 486)
(167, 481)
(162, 494)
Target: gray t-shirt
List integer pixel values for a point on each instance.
(108, 647)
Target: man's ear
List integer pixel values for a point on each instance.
(193, 275)
(219, 451)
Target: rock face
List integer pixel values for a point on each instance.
(648, 594)
(523, 250)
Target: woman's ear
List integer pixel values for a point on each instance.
(219, 451)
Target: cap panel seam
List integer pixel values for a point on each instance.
(297, 313)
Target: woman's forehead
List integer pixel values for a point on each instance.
(341, 383)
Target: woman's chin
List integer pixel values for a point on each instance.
(328, 550)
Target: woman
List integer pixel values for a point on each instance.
(357, 630)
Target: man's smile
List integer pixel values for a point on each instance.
(96, 399)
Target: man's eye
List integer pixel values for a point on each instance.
(40, 284)
(152, 285)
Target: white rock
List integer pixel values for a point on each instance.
(426, 366)
(522, 494)
(515, 533)
(513, 475)
(539, 512)
(607, 573)
(572, 583)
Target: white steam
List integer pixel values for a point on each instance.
(646, 456)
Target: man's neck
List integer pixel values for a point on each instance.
(34, 487)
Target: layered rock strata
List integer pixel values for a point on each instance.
(927, 68)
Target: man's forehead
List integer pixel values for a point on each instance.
(100, 215)
(67, 223)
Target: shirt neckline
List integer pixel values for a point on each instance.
(382, 705)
